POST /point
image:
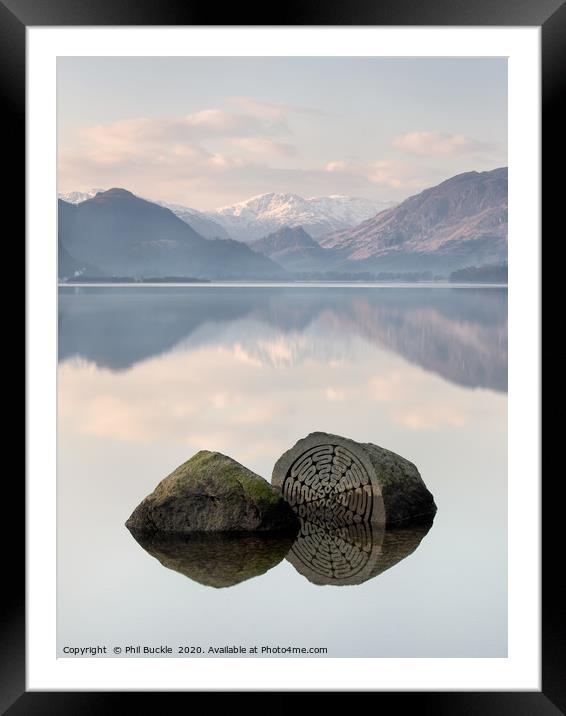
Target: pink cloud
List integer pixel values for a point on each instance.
(436, 144)
(385, 172)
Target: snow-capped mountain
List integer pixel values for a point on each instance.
(77, 197)
(262, 215)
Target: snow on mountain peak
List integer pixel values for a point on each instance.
(77, 197)
(262, 214)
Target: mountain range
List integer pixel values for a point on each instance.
(261, 215)
(197, 220)
(461, 222)
(118, 234)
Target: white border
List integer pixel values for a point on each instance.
(521, 670)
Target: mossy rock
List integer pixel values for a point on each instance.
(213, 493)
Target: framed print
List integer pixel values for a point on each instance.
(283, 391)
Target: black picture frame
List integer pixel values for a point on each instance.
(15, 17)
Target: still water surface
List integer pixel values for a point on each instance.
(150, 375)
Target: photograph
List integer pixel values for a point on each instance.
(282, 357)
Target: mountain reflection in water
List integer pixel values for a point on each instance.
(457, 333)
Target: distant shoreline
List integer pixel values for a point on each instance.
(281, 284)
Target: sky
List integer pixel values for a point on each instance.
(207, 132)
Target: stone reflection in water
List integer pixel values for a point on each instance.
(351, 554)
(360, 509)
(324, 554)
(216, 560)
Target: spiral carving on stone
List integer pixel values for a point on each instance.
(343, 555)
(329, 485)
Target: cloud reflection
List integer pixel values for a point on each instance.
(248, 386)
(459, 334)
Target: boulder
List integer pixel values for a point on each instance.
(335, 481)
(213, 493)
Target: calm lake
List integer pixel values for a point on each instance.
(148, 376)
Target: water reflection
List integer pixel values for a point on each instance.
(325, 555)
(459, 334)
(216, 560)
(351, 554)
(150, 376)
